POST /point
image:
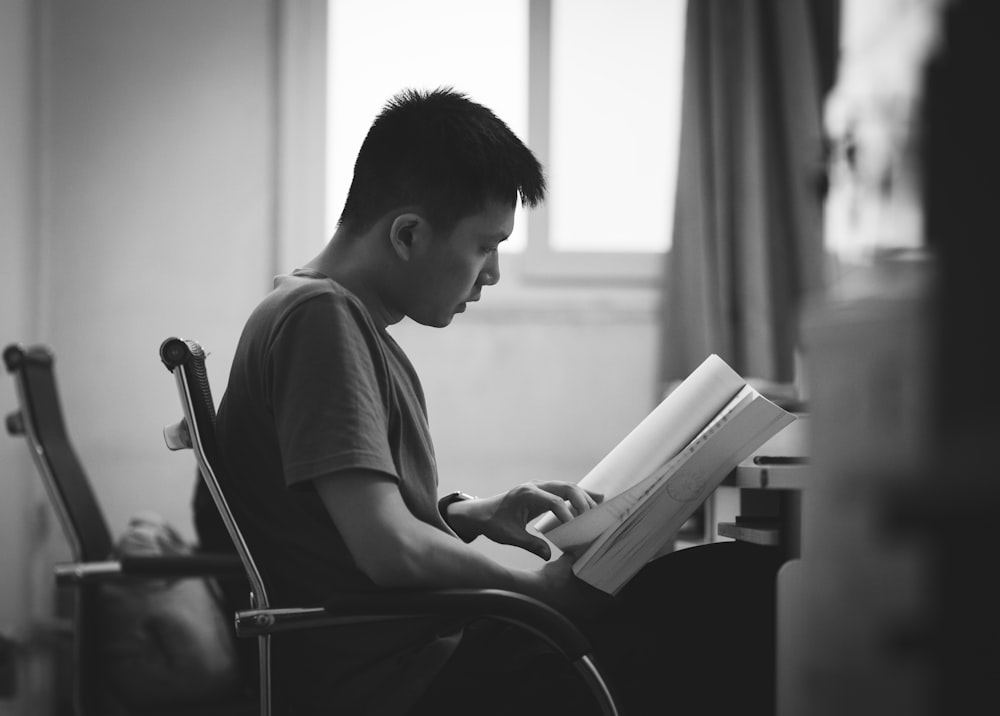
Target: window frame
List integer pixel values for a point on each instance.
(300, 132)
(300, 180)
(541, 263)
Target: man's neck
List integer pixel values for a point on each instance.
(351, 262)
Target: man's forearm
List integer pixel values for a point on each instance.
(423, 556)
(395, 549)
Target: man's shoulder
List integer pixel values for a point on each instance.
(303, 285)
(294, 291)
(307, 299)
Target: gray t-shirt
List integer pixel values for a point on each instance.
(316, 389)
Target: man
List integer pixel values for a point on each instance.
(323, 431)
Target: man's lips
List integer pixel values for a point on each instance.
(471, 299)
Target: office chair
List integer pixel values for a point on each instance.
(40, 421)
(196, 430)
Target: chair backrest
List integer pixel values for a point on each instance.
(186, 360)
(40, 418)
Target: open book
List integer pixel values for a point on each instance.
(659, 474)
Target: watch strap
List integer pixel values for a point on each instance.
(448, 500)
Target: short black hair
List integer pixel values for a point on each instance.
(444, 153)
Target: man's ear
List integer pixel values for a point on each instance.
(406, 233)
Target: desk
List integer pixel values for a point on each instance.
(770, 483)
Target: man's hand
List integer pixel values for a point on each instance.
(569, 594)
(504, 518)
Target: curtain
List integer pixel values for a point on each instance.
(747, 241)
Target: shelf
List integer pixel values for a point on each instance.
(763, 532)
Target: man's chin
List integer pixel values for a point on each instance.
(434, 322)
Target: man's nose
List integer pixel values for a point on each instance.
(490, 275)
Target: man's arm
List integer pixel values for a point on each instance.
(395, 549)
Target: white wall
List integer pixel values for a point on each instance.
(17, 493)
(157, 175)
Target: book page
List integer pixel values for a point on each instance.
(617, 555)
(662, 434)
(593, 528)
(585, 528)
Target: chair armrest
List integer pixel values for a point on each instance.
(131, 568)
(512, 607)
(194, 565)
(178, 436)
(15, 423)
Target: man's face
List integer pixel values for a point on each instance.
(451, 270)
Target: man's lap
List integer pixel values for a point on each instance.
(694, 629)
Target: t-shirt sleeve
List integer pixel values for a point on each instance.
(328, 387)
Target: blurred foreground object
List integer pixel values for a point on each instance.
(891, 608)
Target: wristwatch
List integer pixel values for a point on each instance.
(449, 499)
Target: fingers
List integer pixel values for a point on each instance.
(559, 507)
(536, 545)
(527, 541)
(580, 500)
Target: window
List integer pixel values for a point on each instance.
(614, 123)
(592, 86)
(378, 47)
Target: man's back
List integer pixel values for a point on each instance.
(315, 389)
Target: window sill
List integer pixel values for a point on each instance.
(540, 265)
(575, 296)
